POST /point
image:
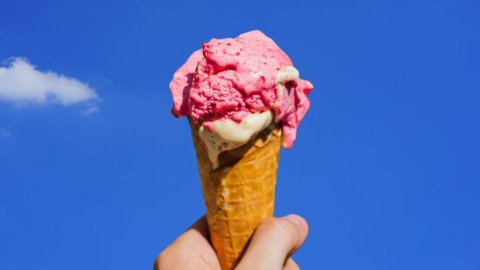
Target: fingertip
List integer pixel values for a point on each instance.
(299, 221)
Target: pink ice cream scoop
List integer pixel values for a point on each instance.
(232, 78)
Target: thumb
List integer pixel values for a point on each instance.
(274, 240)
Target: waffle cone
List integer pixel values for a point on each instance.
(240, 193)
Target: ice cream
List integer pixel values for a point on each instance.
(231, 79)
(227, 134)
(243, 99)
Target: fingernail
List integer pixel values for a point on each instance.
(297, 220)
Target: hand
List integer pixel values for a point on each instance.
(271, 247)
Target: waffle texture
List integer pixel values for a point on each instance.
(240, 193)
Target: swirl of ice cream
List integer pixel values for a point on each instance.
(234, 87)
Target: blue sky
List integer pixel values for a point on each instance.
(96, 174)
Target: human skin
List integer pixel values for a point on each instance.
(272, 245)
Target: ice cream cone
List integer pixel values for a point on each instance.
(240, 193)
(244, 99)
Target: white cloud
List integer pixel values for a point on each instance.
(89, 111)
(20, 81)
